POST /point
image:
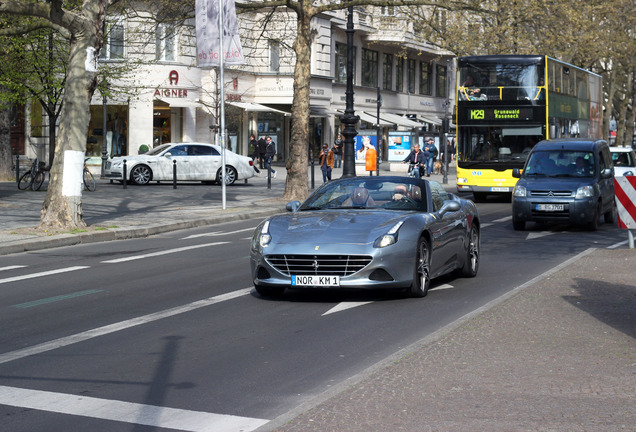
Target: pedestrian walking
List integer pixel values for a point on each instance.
(326, 162)
(262, 150)
(253, 152)
(270, 152)
(337, 151)
(429, 155)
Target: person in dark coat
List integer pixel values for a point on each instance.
(262, 150)
(417, 157)
(270, 152)
(253, 151)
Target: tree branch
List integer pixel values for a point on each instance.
(40, 24)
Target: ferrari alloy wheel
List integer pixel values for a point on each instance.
(471, 265)
(141, 175)
(422, 275)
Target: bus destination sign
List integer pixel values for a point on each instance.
(500, 114)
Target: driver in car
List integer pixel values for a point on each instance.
(399, 192)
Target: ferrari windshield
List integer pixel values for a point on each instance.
(369, 193)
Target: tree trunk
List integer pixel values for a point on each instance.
(52, 133)
(62, 208)
(296, 187)
(6, 165)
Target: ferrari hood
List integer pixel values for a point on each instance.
(333, 226)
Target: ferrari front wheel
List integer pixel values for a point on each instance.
(422, 273)
(266, 291)
(471, 265)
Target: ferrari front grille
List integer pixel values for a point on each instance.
(320, 265)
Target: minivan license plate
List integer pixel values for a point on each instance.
(315, 280)
(550, 207)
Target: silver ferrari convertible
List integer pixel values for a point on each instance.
(368, 233)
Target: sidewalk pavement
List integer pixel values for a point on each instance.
(556, 354)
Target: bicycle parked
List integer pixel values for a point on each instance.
(34, 177)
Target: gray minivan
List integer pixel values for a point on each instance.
(565, 180)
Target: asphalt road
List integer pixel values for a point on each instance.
(167, 332)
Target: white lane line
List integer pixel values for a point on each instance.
(40, 274)
(217, 233)
(11, 267)
(165, 252)
(615, 245)
(504, 219)
(122, 325)
(484, 225)
(344, 306)
(135, 413)
(442, 287)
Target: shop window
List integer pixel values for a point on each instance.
(116, 131)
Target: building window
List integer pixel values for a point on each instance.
(387, 10)
(166, 42)
(274, 56)
(387, 71)
(341, 63)
(425, 78)
(369, 68)
(113, 48)
(441, 81)
(411, 76)
(399, 74)
(37, 119)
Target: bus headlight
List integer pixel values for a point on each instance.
(462, 180)
(519, 191)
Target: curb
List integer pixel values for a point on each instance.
(61, 240)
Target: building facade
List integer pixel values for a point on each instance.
(162, 96)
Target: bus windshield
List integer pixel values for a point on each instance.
(497, 144)
(501, 81)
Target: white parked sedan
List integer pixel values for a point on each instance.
(194, 162)
(624, 160)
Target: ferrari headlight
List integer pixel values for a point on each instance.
(389, 238)
(264, 238)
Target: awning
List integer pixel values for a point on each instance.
(399, 120)
(436, 122)
(319, 111)
(251, 106)
(373, 119)
(181, 103)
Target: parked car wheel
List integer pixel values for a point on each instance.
(593, 224)
(230, 175)
(421, 274)
(610, 215)
(141, 174)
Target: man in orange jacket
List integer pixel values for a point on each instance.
(326, 162)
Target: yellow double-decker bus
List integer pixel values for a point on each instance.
(508, 103)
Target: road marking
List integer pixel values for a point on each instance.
(503, 219)
(484, 225)
(56, 298)
(165, 252)
(344, 306)
(442, 287)
(11, 267)
(122, 325)
(217, 233)
(40, 274)
(536, 235)
(615, 245)
(128, 412)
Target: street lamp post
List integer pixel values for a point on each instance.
(349, 119)
(104, 143)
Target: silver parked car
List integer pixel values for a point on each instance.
(367, 232)
(194, 162)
